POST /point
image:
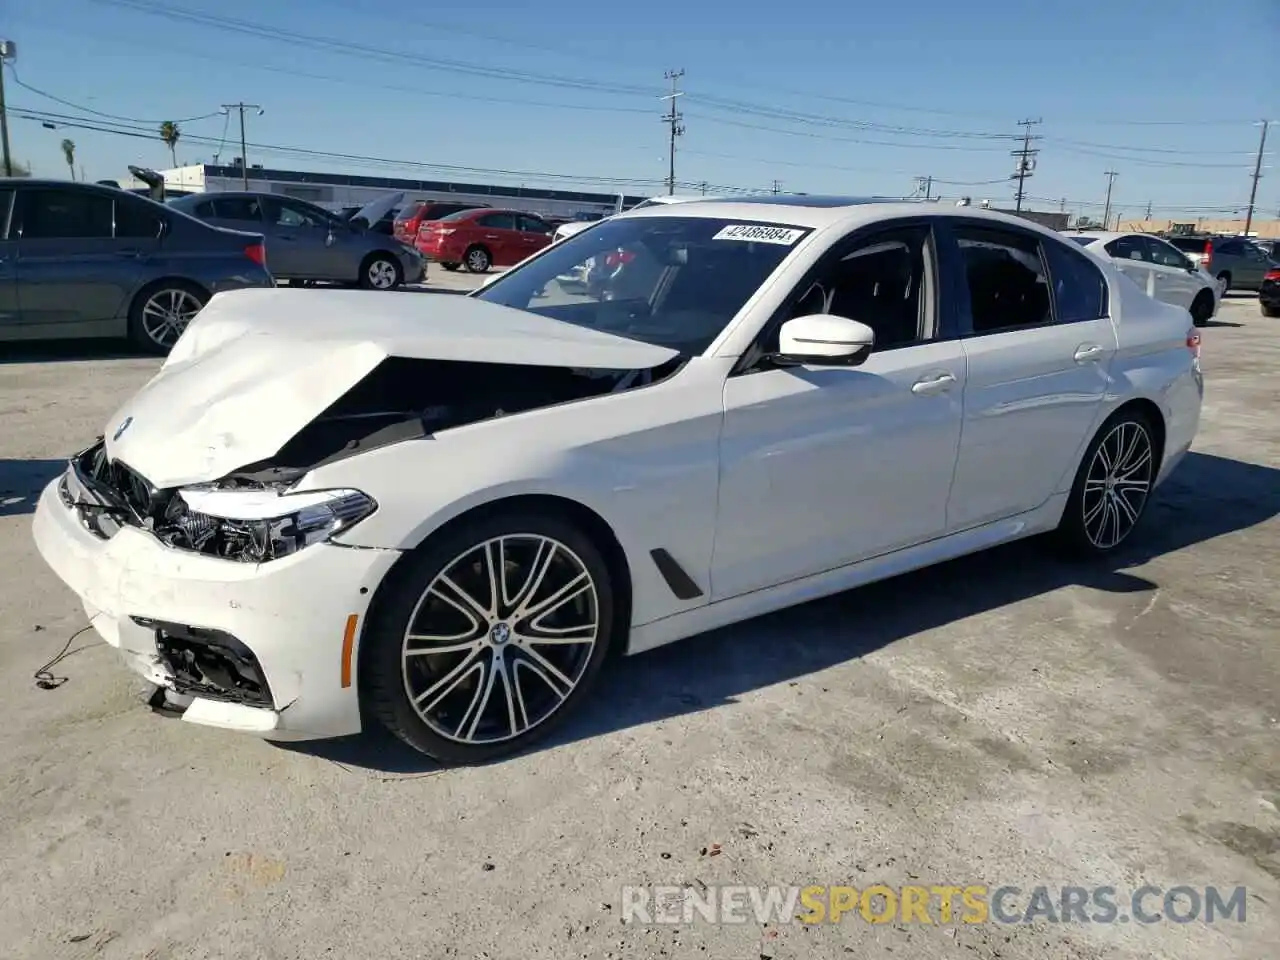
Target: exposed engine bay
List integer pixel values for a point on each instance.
(401, 399)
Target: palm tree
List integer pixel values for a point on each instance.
(170, 133)
(69, 151)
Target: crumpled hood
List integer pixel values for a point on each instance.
(256, 366)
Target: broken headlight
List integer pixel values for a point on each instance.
(259, 525)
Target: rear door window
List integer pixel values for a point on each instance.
(247, 209)
(498, 221)
(1127, 248)
(1079, 289)
(137, 219)
(52, 214)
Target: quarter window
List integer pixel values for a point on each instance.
(1079, 289)
(1008, 289)
(67, 215)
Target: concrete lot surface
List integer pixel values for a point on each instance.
(1008, 719)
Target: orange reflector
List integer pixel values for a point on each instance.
(348, 645)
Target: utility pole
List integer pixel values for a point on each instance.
(244, 162)
(1148, 217)
(777, 187)
(673, 118)
(1062, 205)
(925, 184)
(1026, 163)
(1253, 191)
(1106, 211)
(8, 51)
(703, 185)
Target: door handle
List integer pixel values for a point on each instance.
(490, 236)
(927, 386)
(1087, 353)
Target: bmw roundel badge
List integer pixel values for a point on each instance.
(124, 425)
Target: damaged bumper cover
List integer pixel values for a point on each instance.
(243, 646)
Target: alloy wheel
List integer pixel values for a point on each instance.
(166, 315)
(477, 261)
(500, 638)
(382, 275)
(1117, 484)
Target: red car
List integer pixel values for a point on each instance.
(412, 217)
(480, 239)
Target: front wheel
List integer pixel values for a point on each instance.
(488, 637)
(380, 272)
(160, 314)
(1112, 486)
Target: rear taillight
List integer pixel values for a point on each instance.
(1272, 275)
(1207, 256)
(1193, 342)
(257, 253)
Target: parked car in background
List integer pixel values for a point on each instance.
(412, 217)
(1159, 268)
(1239, 264)
(1271, 248)
(306, 242)
(1269, 293)
(566, 230)
(446, 514)
(483, 238)
(83, 260)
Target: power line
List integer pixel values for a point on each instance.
(83, 109)
(836, 139)
(673, 118)
(1026, 160)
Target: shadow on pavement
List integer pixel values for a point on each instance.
(61, 351)
(1207, 497)
(21, 482)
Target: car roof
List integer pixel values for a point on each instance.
(821, 212)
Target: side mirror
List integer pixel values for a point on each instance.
(822, 339)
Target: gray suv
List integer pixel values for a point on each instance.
(306, 242)
(82, 260)
(1235, 261)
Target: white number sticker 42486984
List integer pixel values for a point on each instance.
(759, 233)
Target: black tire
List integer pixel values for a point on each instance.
(1269, 311)
(1202, 308)
(1225, 277)
(477, 259)
(1084, 531)
(171, 297)
(381, 271)
(386, 676)
(451, 267)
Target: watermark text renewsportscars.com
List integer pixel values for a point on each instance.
(932, 904)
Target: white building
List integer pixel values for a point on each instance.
(338, 190)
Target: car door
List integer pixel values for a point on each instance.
(534, 234)
(497, 232)
(9, 315)
(1175, 282)
(825, 466)
(1133, 259)
(1038, 339)
(1253, 267)
(301, 245)
(70, 267)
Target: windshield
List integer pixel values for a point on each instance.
(670, 281)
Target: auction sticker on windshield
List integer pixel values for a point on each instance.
(784, 236)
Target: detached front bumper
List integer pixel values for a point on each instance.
(289, 621)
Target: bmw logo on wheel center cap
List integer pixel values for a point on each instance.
(500, 634)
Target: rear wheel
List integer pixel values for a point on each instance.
(1202, 308)
(1269, 311)
(451, 267)
(488, 636)
(160, 314)
(1225, 279)
(477, 260)
(1112, 486)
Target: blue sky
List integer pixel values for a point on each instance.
(825, 97)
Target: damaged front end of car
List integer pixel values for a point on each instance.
(256, 514)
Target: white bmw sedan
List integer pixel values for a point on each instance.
(446, 512)
(1159, 268)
